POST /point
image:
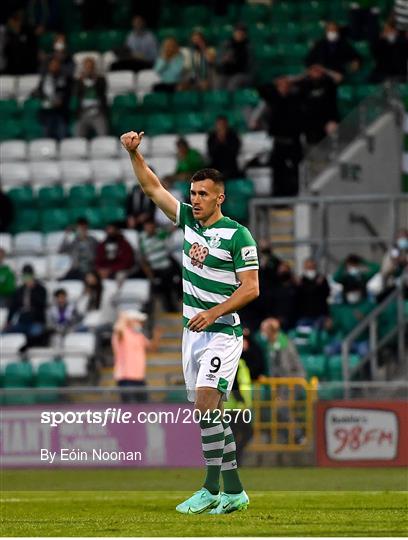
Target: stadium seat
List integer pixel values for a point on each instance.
(128, 122)
(53, 241)
(132, 237)
(120, 82)
(19, 375)
(186, 101)
(28, 243)
(156, 102)
(7, 86)
(80, 342)
(255, 142)
(11, 345)
(93, 215)
(145, 80)
(190, 122)
(163, 165)
(27, 219)
(104, 147)
(111, 213)
(106, 170)
(58, 265)
(81, 195)
(45, 172)
(335, 366)
(10, 129)
(113, 194)
(14, 150)
(261, 177)
(3, 317)
(98, 234)
(128, 173)
(76, 171)
(125, 103)
(217, 99)
(82, 41)
(74, 288)
(39, 264)
(74, 148)
(14, 174)
(109, 40)
(134, 291)
(163, 145)
(54, 219)
(42, 149)
(198, 141)
(160, 123)
(246, 97)
(50, 197)
(22, 197)
(314, 365)
(6, 241)
(26, 84)
(9, 109)
(50, 374)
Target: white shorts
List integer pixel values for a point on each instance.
(210, 359)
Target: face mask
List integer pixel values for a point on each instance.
(310, 274)
(402, 243)
(332, 36)
(353, 271)
(353, 297)
(391, 38)
(59, 46)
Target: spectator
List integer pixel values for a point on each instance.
(59, 52)
(27, 307)
(223, 145)
(129, 349)
(284, 117)
(282, 359)
(334, 53)
(157, 263)
(20, 47)
(114, 256)
(355, 272)
(281, 297)
(394, 262)
(253, 355)
(139, 208)
(7, 280)
(6, 211)
(82, 250)
(90, 91)
(312, 294)
(390, 52)
(364, 19)
(233, 64)
(319, 104)
(344, 317)
(189, 161)
(140, 49)
(200, 64)
(92, 295)
(62, 315)
(54, 91)
(169, 66)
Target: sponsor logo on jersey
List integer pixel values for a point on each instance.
(222, 385)
(210, 377)
(197, 254)
(249, 254)
(215, 240)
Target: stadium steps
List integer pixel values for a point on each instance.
(281, 221)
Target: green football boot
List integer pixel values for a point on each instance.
(201, 501)
(231, 503)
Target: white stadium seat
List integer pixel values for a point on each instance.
(74, 148)
(80, 343)
(53, 241)
(6, 242)
(76, 366)
(104, 147)
(40, 355)
(163, 165)
(175, 245)
(198, 141)
(134, 291)
(14, 174)
(76, 171)
(7, 86)
(132, 237)
(256, 142)
(261, 177)
(106, 170)
(128, 173)
(163, 145)
(27, 243)
(26, 84)
(42, 149)
(39, 265)
(74, 288)
(51, 285)
(145, 80)
(98, 234)
(45, 172)
(10, 345)
(13, 150)
(58, 265)
(3, 317)
(120, 82)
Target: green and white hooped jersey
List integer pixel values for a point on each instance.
(213, 257)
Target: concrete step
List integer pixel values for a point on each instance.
(170, 344)
(160, 356)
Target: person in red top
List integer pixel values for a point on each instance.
(114, 256)
(129, 346)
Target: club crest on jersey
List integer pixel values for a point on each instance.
(214, 241)
(197, 254)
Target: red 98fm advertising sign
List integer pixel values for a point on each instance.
(362, 433)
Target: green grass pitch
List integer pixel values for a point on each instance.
(284, 501)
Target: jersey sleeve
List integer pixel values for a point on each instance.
(244, 251)
(184, 214)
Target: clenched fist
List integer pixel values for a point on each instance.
(131, 140)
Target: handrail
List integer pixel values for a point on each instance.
(370, 322)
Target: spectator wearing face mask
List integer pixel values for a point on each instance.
(344, 317)
(90, 92)
(355, 272)
(334, 52)
(114, 256)
(61, 53)
(312, 294)
(390, 52)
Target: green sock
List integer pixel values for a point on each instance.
(229, 470)
(212, 441)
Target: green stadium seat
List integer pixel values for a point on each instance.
(238, 193)
(46, 41)
(109, 214)
(195, 15)
(241, 187)
(284, 11)
(365, 90)
(113, 194)
(181, 34)
(26, 219)
(186, 101)
(82, 195)
(403, 90)
(335, 366)
(109, 40)
(315, 365)
(184, 188)
(156, 102)
(126, 122)
(124, 104)
(330, 392)
(252, 13)
(93, 215)
(260, 33)
(313, 10)
(217, 99)
(50, 197)
(237, 120)
(51, 374)
(83, 41)
(121, 15)
(19, 375)
(22, 197)
(246, 97)
(224, 32)
(10, 129)
(190, 122)
(8, 108)
(54, 219)
(31, 128)
(158, 124)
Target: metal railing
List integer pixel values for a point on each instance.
(375, 343)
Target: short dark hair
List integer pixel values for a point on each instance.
(82, 221)
(208, 174)
(58, 292)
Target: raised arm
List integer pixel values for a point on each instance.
(149, 182)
